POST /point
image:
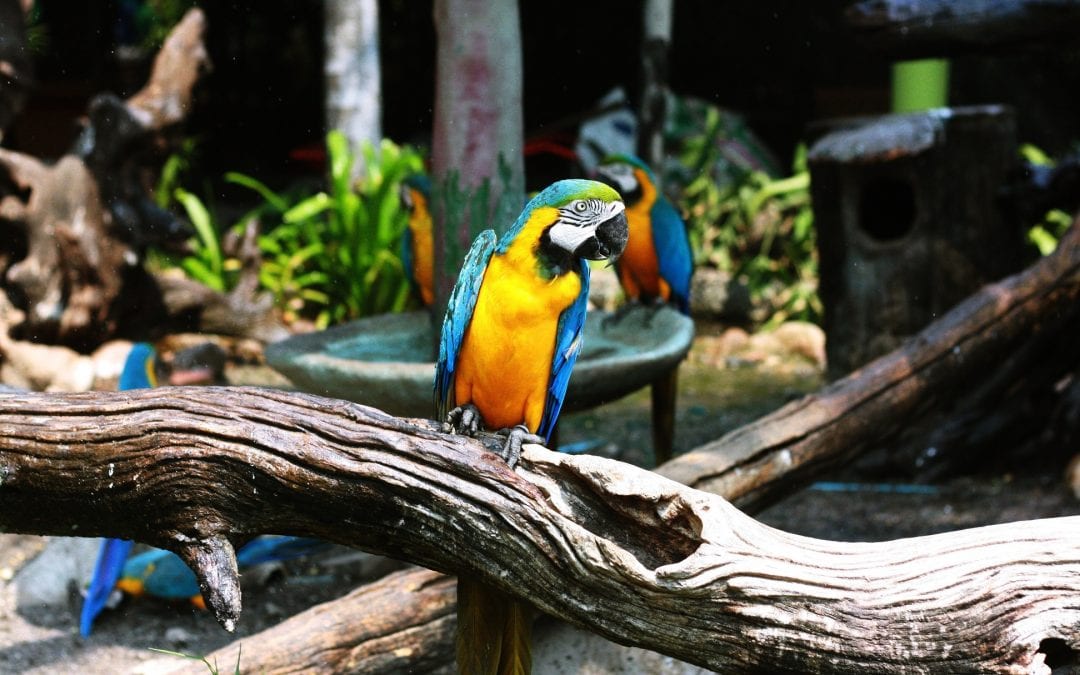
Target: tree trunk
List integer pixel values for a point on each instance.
(478, 139)
(352, 72)
(652, 104)
(628, 554)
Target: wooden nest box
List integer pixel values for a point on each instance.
(909, 221)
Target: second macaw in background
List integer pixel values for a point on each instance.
(511, 336)
(157, 572)
(417, 244)
(162, 574)
(657, 264)
(655, 269)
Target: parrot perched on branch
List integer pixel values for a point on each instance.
(417, 244)
(510, 338)
(157, 572)
(657, 264)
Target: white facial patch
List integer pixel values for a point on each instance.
(577, 225)
(569, 236)
(621, 175)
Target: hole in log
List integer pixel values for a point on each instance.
(656, 532)
(1058, 653)
(886, 208)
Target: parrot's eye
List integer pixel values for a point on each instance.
(580, 207)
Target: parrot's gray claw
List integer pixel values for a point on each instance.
(464, 419)
(515, 438)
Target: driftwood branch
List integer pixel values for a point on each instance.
(403, 623)
(630, 555)
(764, 460)
(88, 218)
(751, 465)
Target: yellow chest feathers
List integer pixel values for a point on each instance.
(505, 360)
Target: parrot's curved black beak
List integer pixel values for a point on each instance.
(608, 242)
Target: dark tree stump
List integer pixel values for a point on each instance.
(909, 223)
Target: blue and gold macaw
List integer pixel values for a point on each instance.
(510, 338)
(657, 264)
(162, 574)
(139, 372)
(157, 572)
(417, 244)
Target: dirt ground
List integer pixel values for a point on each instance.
(719, 390)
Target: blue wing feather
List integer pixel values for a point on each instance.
(673, 251)
(107, 569)
(407, 262)
(138, 368)
(163, 575)
(567, 349)
(459, 313)
(268, 548)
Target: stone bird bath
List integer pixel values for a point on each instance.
(387, 362)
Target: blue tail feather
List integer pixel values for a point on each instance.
(110, 563)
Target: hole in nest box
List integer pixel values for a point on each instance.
(887, 208)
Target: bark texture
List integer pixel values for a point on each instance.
(628, 554)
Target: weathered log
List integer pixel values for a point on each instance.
(187, 305)
(749, 465)
(630, 555)
(403, 623)
(757, 463)
(72, 273)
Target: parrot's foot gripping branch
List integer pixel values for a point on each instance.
(467, 421)
(464, 420)
(515, 438)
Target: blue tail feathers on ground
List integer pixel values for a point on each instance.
(158, 572)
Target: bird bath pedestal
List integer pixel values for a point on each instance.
(386, 362)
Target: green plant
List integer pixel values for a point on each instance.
(333, 256)
(208, 263)
(758, 228)
(154, 19)
(176, 165)
(1045, 234)
(212, 667)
